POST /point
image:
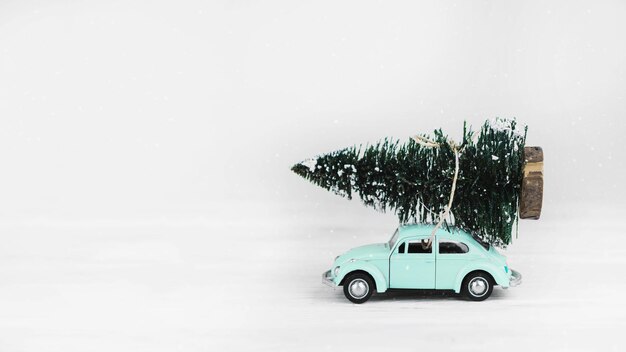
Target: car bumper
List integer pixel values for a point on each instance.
(516, 278)
(327, 279)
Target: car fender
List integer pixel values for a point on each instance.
(496, 272)
(371, 269)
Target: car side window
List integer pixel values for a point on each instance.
(401, 248)
(452, 247)
(419, 247)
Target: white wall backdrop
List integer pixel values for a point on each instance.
(143, 142)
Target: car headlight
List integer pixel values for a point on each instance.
(336, 271)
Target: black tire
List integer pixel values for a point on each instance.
(358, 287)
(477, 286)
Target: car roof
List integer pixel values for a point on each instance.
(411, 230)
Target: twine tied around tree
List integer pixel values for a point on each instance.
(431, 144)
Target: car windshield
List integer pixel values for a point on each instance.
(394, 238)
(481, 242)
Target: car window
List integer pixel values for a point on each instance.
(452, 247)
(393, 239)
(419, 247)
(401, 248)
(481, 242)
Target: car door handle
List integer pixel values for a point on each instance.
(429, 261)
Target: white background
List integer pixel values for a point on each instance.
(146, 201)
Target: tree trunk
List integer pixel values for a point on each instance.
(532, 184)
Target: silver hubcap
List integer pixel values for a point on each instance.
(478, 286)
(358, 288)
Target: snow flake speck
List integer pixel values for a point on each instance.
(310, 163)
(502, 125)
(350, 166)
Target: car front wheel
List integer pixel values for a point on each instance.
(358, 287)
(478, 286)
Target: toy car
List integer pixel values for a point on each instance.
(454, 261)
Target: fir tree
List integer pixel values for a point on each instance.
(415, 181)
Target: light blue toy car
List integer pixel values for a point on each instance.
(455, 261)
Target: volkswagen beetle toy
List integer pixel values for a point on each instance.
(455, 261)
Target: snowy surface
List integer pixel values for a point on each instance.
(226, 283)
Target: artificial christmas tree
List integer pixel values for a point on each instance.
(475, 185)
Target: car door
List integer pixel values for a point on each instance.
(412, 266)
(452, 256)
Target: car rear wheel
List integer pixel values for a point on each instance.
(358, 287)
(478, 286)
